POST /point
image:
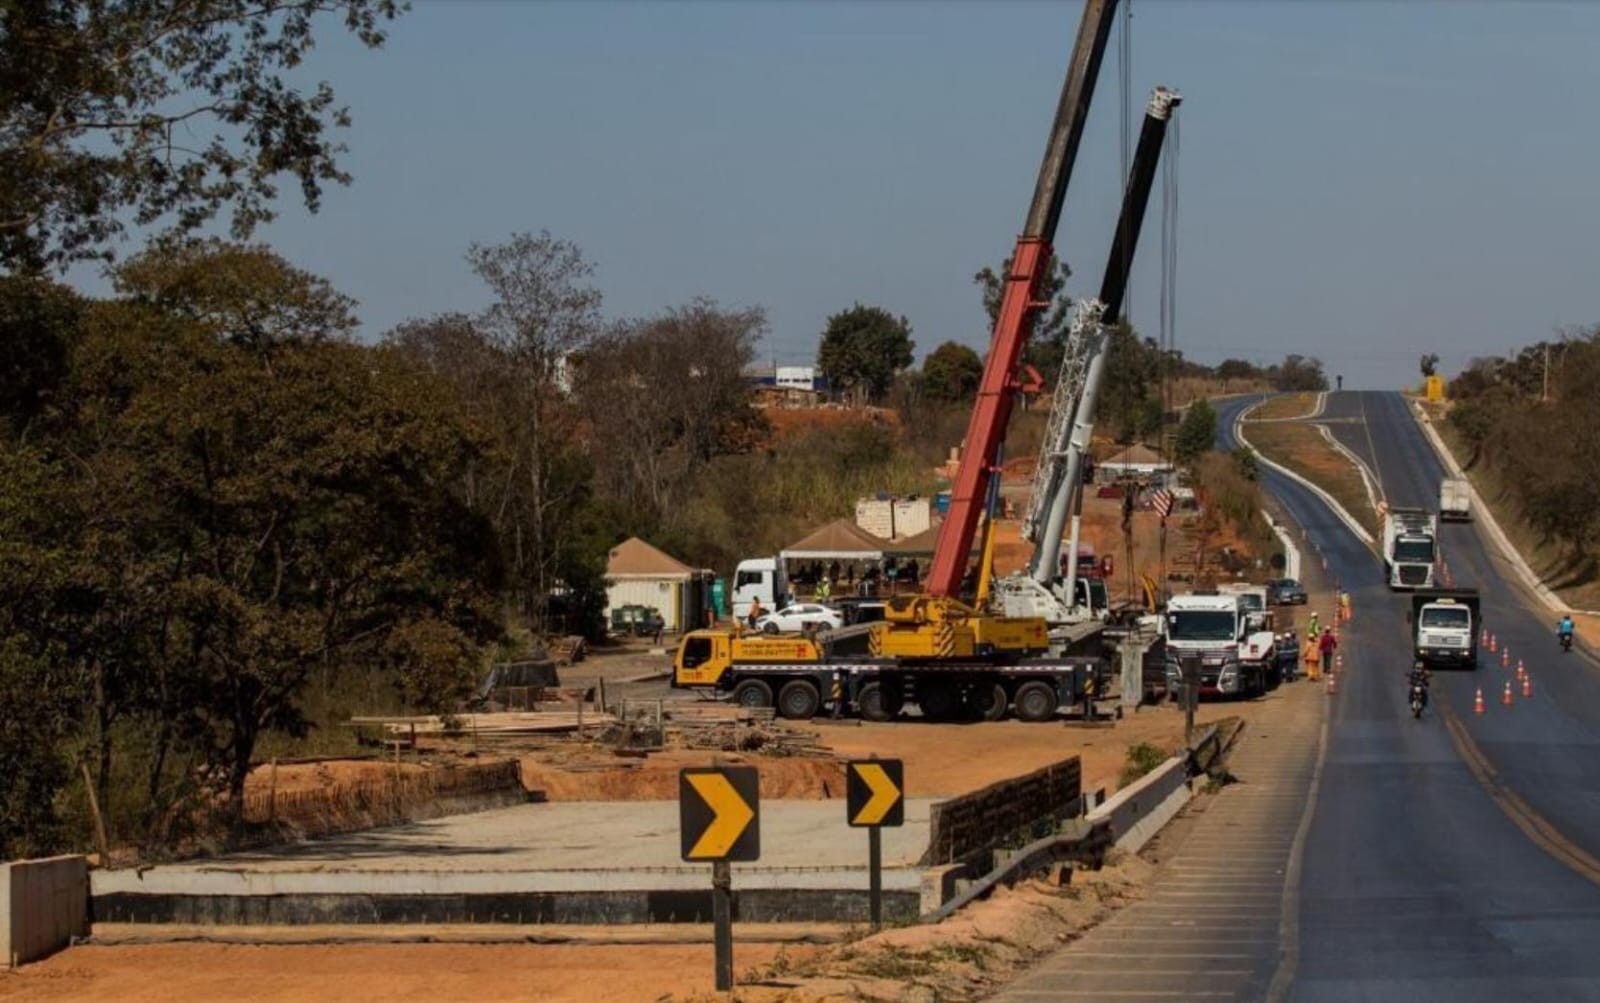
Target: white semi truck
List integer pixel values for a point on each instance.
(1455, 500)
(1234, 648)
(1410, 546)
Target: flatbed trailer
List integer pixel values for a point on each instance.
(879, 689)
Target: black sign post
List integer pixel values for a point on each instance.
(719, 816)
(875, 797)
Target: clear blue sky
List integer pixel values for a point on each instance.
(1360, 181)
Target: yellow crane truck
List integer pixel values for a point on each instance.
(801, 677)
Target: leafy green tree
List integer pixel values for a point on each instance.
(862, 350)
(1047, 345)
(247, 293)
(1236, 369)
(951, 373)
(158, 112)
(1298, 373)
(38, 321)
(1196, 433)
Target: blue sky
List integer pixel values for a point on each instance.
(1361, 181)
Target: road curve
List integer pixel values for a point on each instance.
(1416, 883)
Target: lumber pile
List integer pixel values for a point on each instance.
(502, 724)
(731, 728)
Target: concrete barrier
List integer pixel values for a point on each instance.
(1138, 811)
(45, 904)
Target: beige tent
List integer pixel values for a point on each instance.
(1136, 459)
(839, 540)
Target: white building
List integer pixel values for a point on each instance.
(795, 377)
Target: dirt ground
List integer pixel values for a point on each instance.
(1284, 407)
(1301, 448)
(155, 973)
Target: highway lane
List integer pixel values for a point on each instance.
(1547, 748)
(1416, 885)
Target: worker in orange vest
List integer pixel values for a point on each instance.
(1311, 655)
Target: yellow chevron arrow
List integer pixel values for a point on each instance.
(884, 794)
(732, 815)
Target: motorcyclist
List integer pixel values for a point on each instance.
(1564, 628)
(1419, 676)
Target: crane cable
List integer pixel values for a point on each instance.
(1169, 296)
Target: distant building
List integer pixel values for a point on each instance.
(795, 377)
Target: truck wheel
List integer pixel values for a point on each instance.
(879, 701)
(989, 701)
(753, 693)
(1036, 701)
(799, 700)
(938, 699)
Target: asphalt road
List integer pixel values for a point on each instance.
(1416, 883)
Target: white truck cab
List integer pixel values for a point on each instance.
(1232, 643)
(758, 579)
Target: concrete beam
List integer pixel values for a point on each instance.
(43, 905)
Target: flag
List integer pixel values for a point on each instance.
(1161, 501)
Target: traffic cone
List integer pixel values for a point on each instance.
(1493, 647)
(1505, 697)
(1477, 702)
(1505, 658)
(1522, 671)
(1527, 687)
(1333, 685)
(1483, 639)
(1338, 662)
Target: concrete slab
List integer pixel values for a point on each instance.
(568, 846)
(43, 905)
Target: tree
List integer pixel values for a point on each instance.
(38, 322)
(1298, 373)
(513, 367)
(160, 111)
(1430, 363)
(247, 293)
(951, 373)
(1047, 344)
(862, 350)
(1236, 369)
(1196, 433)
(666, 395)
(1132, 367)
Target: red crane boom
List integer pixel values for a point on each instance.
(1019, 303)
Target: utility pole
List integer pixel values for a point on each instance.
(1546, 395)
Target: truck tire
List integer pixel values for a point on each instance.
(879, 701)
(937, 699)
(799, 700)
(753, 693)
(1036, 701)
(988, 701)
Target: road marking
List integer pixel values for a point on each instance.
(1533, 825)
(1289, 932)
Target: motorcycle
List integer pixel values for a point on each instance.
(1566, 642)
(1419, 694)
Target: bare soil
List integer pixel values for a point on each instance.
(156, 973)
(1283, 407)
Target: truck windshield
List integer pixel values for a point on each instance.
(1200, 625)
(1445, 617)
(1414, 551)
(1250, 602)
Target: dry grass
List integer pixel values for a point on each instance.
(1302, 449)
(1283, 406)
(1550, 559)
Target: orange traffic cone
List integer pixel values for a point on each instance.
(1483, 639)
(1522, 671)
(1333, 685)
(1492, 646)
(1527, 687)
(1505, 698)
(1477, 702)
(1338, 662)
(1505, 658)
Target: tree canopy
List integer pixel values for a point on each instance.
(862, 350)
(951, 373)
(161, 113)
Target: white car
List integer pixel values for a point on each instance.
(799, 617)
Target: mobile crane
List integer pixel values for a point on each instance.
(934, 648)
(1042, 591)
